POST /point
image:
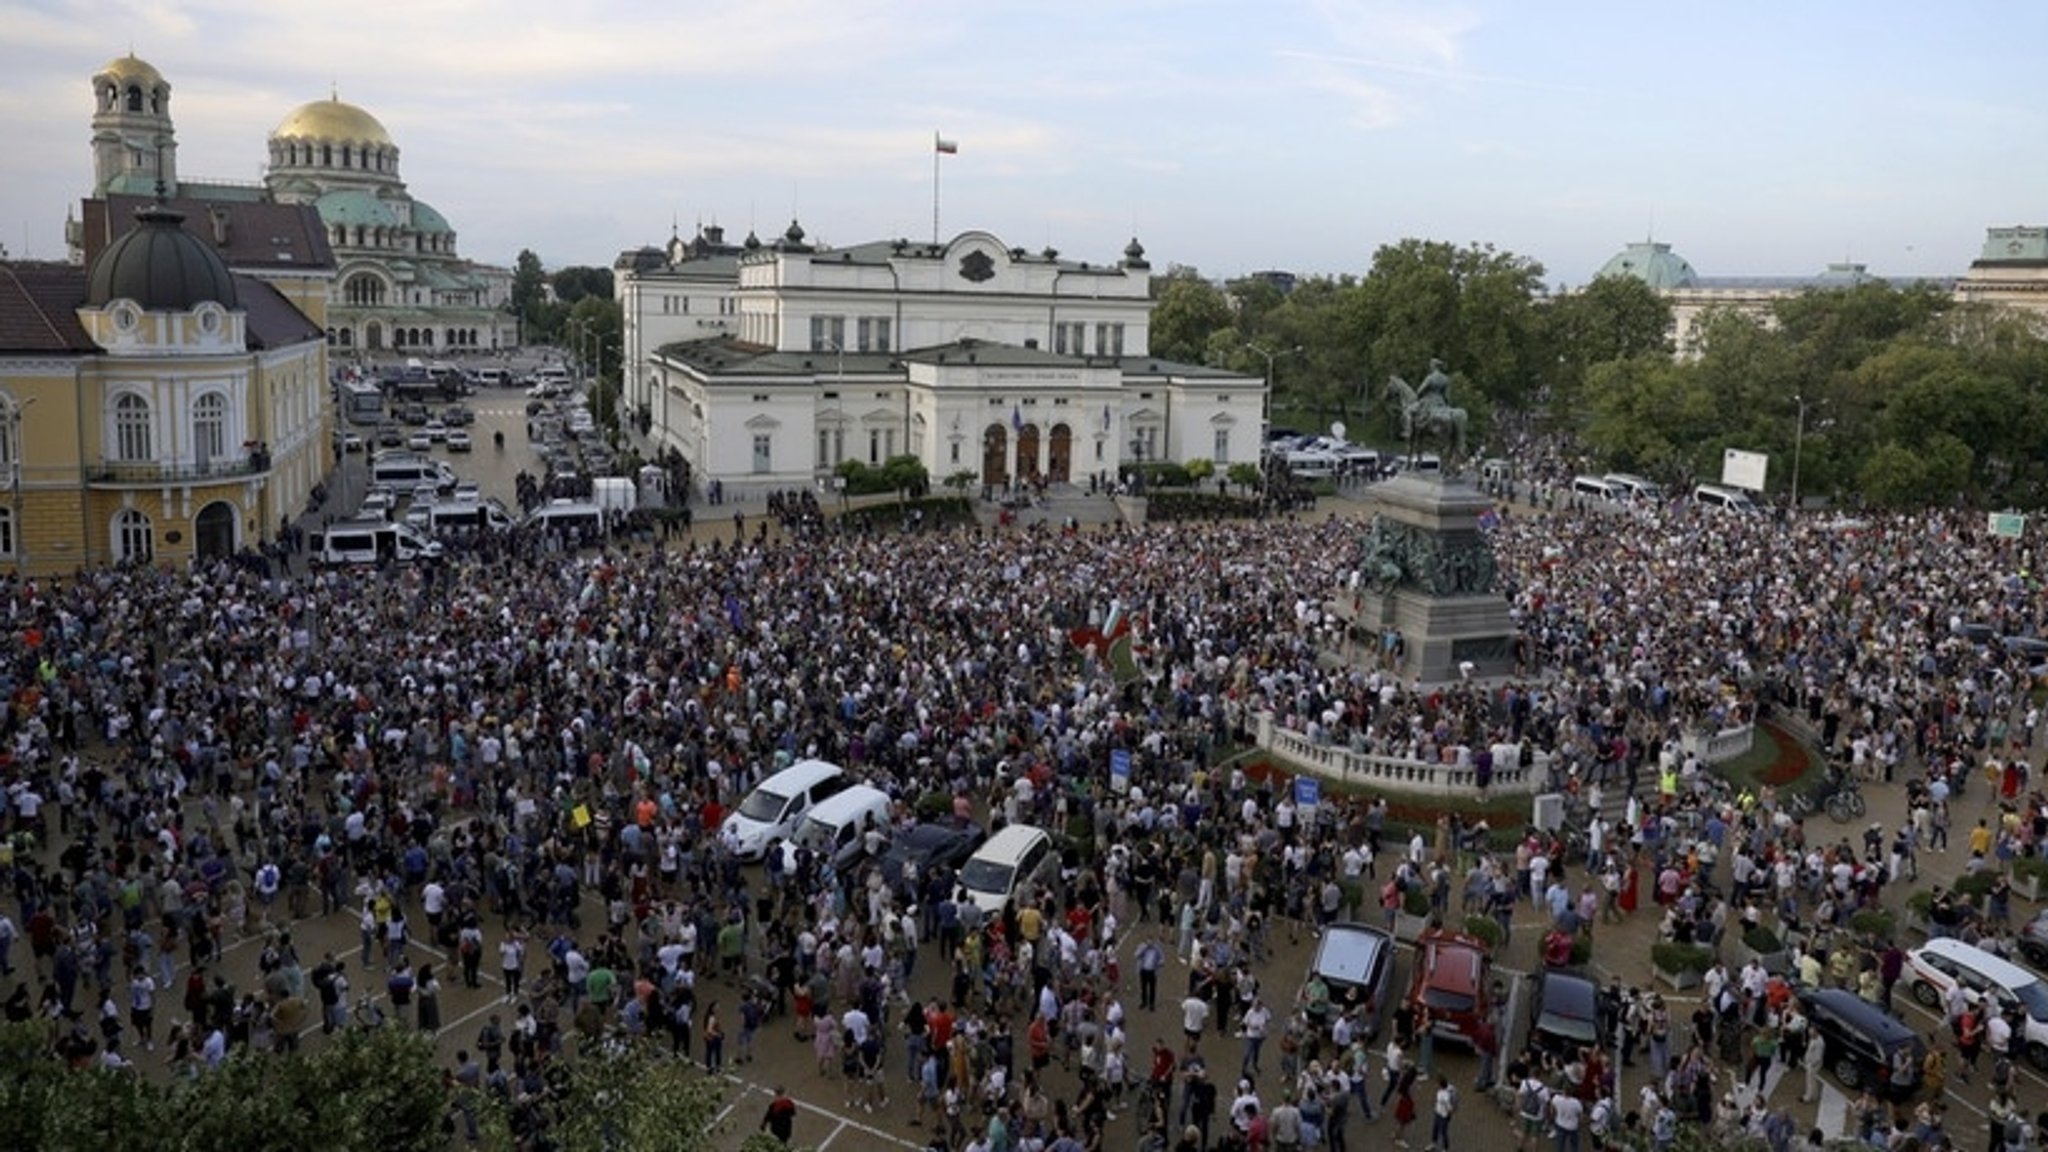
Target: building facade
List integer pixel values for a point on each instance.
(155, 407)
(400, 283)
(972, 356)
(1693, 297)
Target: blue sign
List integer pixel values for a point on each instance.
(1308, 791)
(1120, 771)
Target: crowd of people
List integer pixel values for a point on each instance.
(525, 756)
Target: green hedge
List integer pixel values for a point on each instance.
(1170, 506)
(939, 512)
(1670, 956)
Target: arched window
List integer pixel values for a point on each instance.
(210, 427)
(135, 97)
(327, 155)
(364, 290)
(7, 542)
(134, 537)
(133, 441)
(10, 433)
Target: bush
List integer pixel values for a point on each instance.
(1199, 505)
(1673, 957)
(1485, 928)
(933, 806)
(1875, 923)
(1976, 886)
(1582, 951)
(2033, 866)
(1921, 903)
(939, 512)
(1762, 939)
(1416, 902)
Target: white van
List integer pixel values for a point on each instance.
(777, 805)
(1597, 488)
(838, 826)
(1731, 499)
(468, 514)
(1310, 464)
(405, 471)
(496, 377)
(1635, 488)
(568, 517)
(1004, 864)
(369, 542)
(1945, 962)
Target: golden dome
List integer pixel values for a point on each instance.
(131, 67)
(331, 119)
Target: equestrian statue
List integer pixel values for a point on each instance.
(1427, 413)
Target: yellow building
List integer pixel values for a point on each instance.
(155, 406)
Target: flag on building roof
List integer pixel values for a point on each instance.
(944, 146)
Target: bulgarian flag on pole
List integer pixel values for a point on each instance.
(943, 146)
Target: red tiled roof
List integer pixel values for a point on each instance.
(39, 308)
(39, 304)
(251, 235)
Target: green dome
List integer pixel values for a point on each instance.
(1654, 264)
(426, 219)
(161, 267)
(355, 206)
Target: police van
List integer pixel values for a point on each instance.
(370, 542)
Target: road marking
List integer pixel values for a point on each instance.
(843, 1121)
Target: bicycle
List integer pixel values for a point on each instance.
(1846, 804)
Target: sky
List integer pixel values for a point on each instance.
(1227, 135)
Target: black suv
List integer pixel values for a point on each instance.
(1865, 1046)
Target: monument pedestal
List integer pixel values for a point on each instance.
(1445, 601)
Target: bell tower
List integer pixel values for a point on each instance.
(133, 148)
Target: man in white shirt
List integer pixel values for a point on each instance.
(1194, 1016)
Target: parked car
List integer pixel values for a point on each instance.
(420, 442)
(459, 441)
(1565, 1013)
(467, 492)
(377, 505)
(436, 431)
(1453, 974)
(2033, 940)
(1935, 968)
(414, 414)
(929, 846)
(458, 416)
(1863, 1045)
(389, 436)
(1356, 963)
(351, 443)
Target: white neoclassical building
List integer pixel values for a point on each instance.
(971, 355)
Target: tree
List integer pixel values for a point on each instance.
(374, 1091)
(1612, 318)
(529, 285)
(1243, 474)
(578, 282)
(1473, 308)
(1189, 310)
(615, 1095)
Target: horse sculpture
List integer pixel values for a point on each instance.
(1426, 413)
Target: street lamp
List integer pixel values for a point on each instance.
(1798, 446)
(1266, 411)
(15, 417)
(1266, 408)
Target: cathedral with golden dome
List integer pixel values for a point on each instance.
(398, 281)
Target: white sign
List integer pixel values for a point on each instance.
(1744, 470)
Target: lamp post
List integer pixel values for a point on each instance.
(1266, 411)
(1798, 448)
(19, 544)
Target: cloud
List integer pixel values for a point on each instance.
(1355, 37)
